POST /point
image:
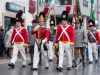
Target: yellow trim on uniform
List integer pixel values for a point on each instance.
(87, 31)
(66, 24)
(25, 44)
(97, 30)
(18, 42)
(72, 43)
(56, 44)
(47, 29)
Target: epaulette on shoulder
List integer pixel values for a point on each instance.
(48, 28)
(97, 30)
(23, 27)
(87, 31)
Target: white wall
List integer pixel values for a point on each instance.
(2, 9)
(95, 6)
(58, 10)
(24, 3)
(27, 15)
(85, 10)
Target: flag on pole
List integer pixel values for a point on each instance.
(78, 8)
(79, 15)
(74, 12)
(92, 9)
(32, 6)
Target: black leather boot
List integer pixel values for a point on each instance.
(11, 65)
(59, 68)
(83, 61)
(57, 59)
(74, 65)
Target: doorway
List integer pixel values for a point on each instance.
(7, 21)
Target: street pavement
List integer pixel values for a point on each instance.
(90, 69)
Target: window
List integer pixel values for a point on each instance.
(65, 2)
(85, 3)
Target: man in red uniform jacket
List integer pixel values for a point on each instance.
(19, 40)
(65, 39)
(42, 36)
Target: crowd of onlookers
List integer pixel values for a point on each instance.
(5, 48)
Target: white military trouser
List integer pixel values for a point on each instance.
(65, 47)
(11, 51)
(36, 56)
(92, 47)
(51, 50)
(16, 48)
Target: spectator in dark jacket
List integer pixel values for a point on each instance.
(2, 35)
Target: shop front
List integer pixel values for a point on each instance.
(9, 17)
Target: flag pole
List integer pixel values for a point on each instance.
(38, 29)
(54, 15)
(37, 8)
(74, 12)
(55, 21)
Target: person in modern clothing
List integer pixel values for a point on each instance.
(19, 40)
(7, 40)
(2, 35)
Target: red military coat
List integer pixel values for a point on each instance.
(40, 31)
(98, 31)
(64, 38)
(21, 36)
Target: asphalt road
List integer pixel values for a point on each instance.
(89, 69)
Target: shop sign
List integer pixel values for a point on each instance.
(14, 7)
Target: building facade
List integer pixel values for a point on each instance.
(7, 15)
(8, 11)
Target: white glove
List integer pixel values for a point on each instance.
(55, 28)
(37, 27)
(43, 41)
